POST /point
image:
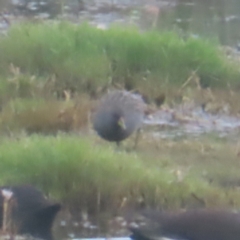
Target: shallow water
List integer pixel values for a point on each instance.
(177, 123)
(116, 238)
(109, 238)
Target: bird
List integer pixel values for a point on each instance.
(118, 115)
(198, 224)
(31, 212)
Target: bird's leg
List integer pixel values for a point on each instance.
(118, 145)
(138, 132)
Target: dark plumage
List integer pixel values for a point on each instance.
(32, 213)
(118, 115)
(191, 225)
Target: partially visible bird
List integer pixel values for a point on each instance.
(118, 115)
(199, 224)
(31, 212)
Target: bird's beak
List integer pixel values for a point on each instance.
(121, 123)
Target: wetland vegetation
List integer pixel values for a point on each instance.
(52, 75)
(86, 173)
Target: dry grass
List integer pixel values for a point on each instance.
(46, 116)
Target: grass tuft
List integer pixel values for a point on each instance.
(97, 178)
(84, 58)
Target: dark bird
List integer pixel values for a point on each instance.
(191, 225)
(118, 115)
(31, 212)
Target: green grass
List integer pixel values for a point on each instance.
(84, 58)
(83, 174)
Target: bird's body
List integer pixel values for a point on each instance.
(191, 225)
(118, 115)
(31, 213)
